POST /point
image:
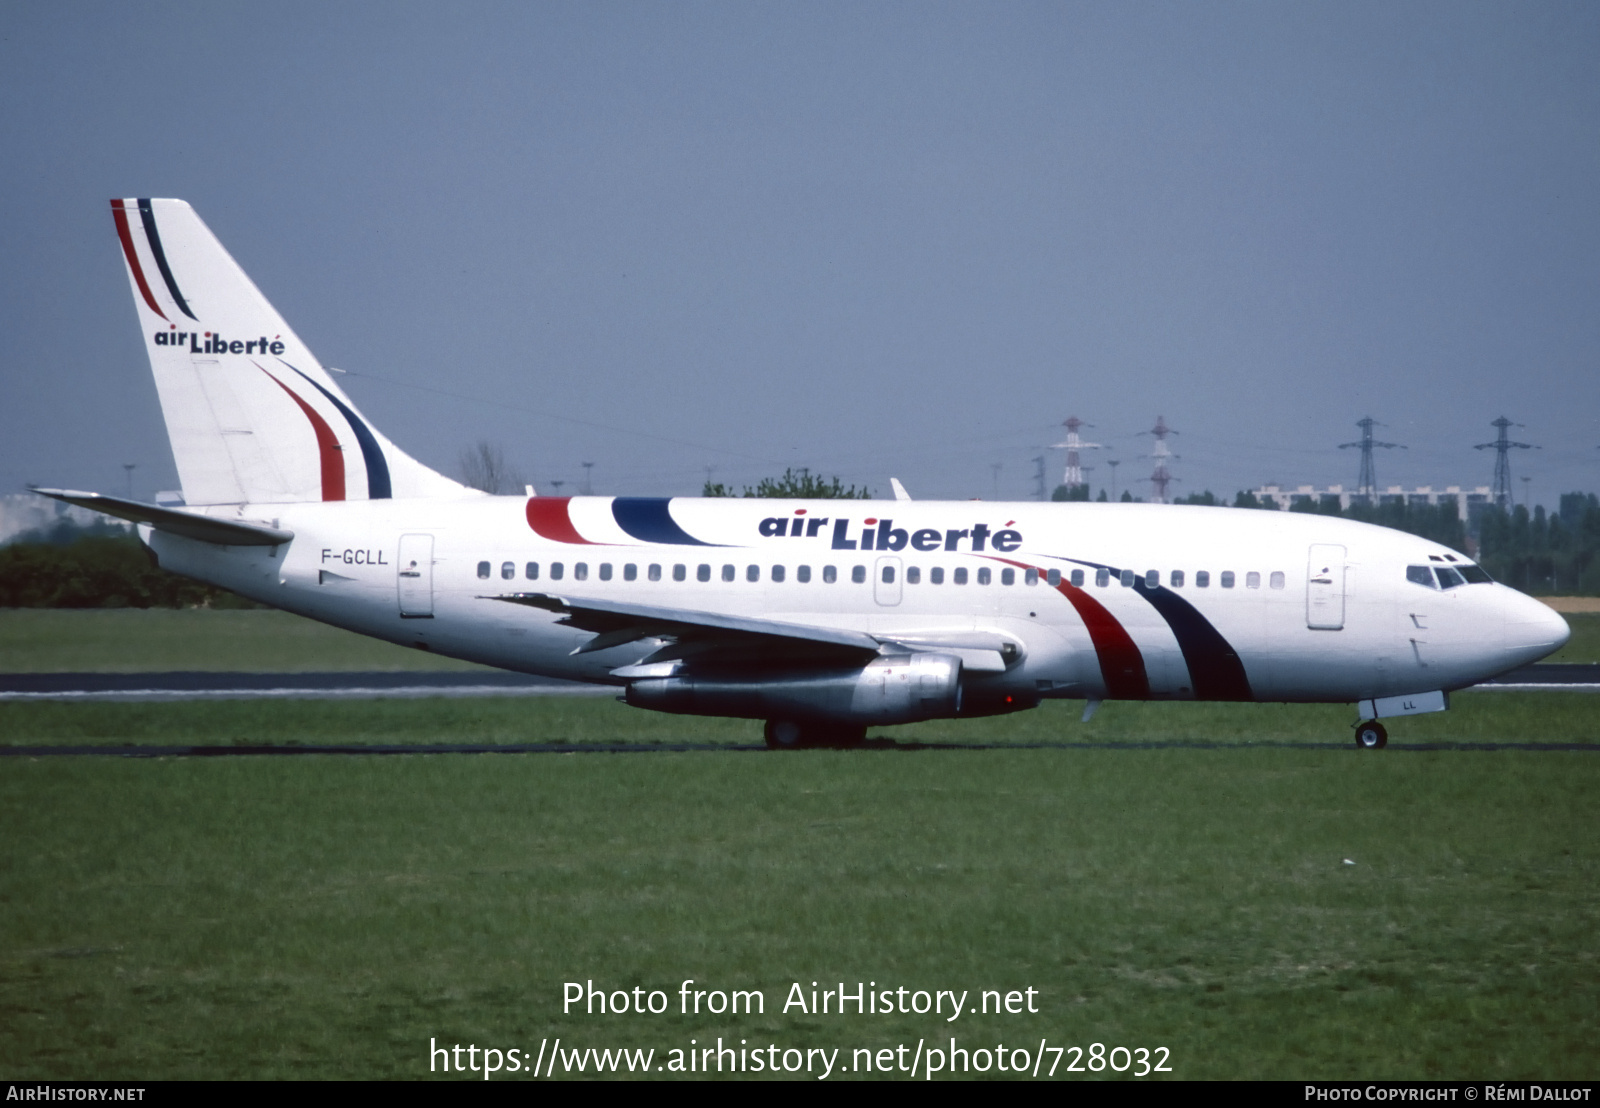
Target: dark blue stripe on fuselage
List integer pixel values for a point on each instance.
(1214, 665)
(148, 216)
(647, 519)
(378, 487)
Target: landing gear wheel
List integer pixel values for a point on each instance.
(784, 734)
(1371, 735)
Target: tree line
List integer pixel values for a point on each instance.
(98, 566)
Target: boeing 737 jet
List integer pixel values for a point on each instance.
(820, 617)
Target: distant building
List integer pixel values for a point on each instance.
(1470, 503)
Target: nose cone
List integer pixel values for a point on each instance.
(1533, 630)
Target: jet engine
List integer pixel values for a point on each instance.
(902, 688)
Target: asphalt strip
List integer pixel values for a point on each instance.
(871, 745)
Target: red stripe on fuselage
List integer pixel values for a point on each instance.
(327, 445)
(126, 235)
(1121, 664)
(549, 518)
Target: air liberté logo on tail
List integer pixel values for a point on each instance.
(212, 342)
(882, 534)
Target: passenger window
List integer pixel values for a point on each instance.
(888, 575)
(1053, 578)
(727, 573)
(1202, 578)
(1077, 578)
(1420, 575)
(630, 572)
(1127, 579)
(1008, 577)
(936, 575)
(752, 573)
(1030, 577)
(1276, 580)
(913, 575)
(777, 574)
(858, 574)
(702, 572)
(483, 570)
(1448, 577)
(556, 570)
(680, 572)
(580, 571)
(654, 572)
(1102, 577)
(605, 571)
(531, 571)
(1152, 578)
(508, 570)
(1226, 580)
(1176, 578)
(1252, 580)
(960, 576)
(829, 575)
(802, 574)
(983, 576)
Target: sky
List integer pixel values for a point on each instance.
(681, 240)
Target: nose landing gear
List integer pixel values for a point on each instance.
(1371, 735)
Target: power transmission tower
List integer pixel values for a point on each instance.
(1160, 477)
(1502, 446)
(1369, 480)
(1074, 472)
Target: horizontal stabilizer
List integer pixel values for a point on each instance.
(224, 532)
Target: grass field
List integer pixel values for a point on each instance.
(130, 641)
(326, 917)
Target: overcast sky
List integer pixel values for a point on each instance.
(871, 239)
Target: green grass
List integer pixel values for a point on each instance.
(36, 640)
(324, 917)
(1584, 646)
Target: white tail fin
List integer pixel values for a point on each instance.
(252, 416)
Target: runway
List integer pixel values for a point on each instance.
(149, 687)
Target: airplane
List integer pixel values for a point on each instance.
(819, 617)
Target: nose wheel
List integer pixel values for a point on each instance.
(1371, 735)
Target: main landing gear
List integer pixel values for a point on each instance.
(1371, 735)
(792, 734)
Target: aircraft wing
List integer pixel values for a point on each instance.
(745, 639)
(224, 532)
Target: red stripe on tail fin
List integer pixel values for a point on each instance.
(126, 235)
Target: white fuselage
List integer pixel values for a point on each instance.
(1312, 608)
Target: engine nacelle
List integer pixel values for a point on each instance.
(901, 688)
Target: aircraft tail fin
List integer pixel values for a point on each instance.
(252, 416)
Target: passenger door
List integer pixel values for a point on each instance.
(1325, 588)
(415, 567)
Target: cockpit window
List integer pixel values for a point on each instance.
(1475, 575)
(1448, 577)
(1420, 575)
